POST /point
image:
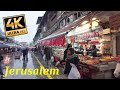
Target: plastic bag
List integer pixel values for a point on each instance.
(74, 73)
(52, 59)
(44, 57)
(117, 71)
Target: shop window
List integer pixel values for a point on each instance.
(79, 14)
(75, 16)
(60, 12)
(70, 19)
(62, 23)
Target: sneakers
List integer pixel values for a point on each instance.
(57, 63)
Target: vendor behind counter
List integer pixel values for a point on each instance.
(92, 51)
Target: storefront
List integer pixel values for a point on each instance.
(90, 67)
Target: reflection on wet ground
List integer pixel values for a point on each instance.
(61, 74)
(31, 63)
(20, 63)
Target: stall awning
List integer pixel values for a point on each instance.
(55, 39)
(61, 32)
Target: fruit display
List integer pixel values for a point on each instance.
(107, 57)
(104, 59)
(92, 62)
(116, 58)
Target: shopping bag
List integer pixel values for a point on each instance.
(52, 59)
(6, 60)
(74, 73)
(44, 57)
(117, 71)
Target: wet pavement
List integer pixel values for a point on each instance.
(61, 74)
(35, 61)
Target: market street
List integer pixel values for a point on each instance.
(60, 45)
(33, 63)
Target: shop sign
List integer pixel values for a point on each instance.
(114, 21)
(89, 35)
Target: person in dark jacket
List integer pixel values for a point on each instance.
(65, 55)
(48, 54)
(25, 54)
(1, 71)
(71, 58)
(93, 51)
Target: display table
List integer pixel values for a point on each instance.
(98, 71)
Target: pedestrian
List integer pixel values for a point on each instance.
(65, 55)
(42, 51)
(93, 51)
(71, 58)
(48, 55)
(35, 50)
(25, 54)
(1, 71)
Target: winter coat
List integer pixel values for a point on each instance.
(25, 51)
(65, 54)
(71, 59)
(47, 52)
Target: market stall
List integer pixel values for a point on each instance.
(57, 43)
(100, 67)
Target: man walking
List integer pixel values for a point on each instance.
(48, 54)
(25, 54)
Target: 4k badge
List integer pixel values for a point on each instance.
(15, 25)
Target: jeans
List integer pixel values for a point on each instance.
(25, 57)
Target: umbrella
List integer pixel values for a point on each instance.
(3, 46)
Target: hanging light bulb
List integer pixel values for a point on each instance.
(94, 18)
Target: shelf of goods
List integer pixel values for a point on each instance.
(97, 68)
(58, 53)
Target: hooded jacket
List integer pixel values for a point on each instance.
(71, 59)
